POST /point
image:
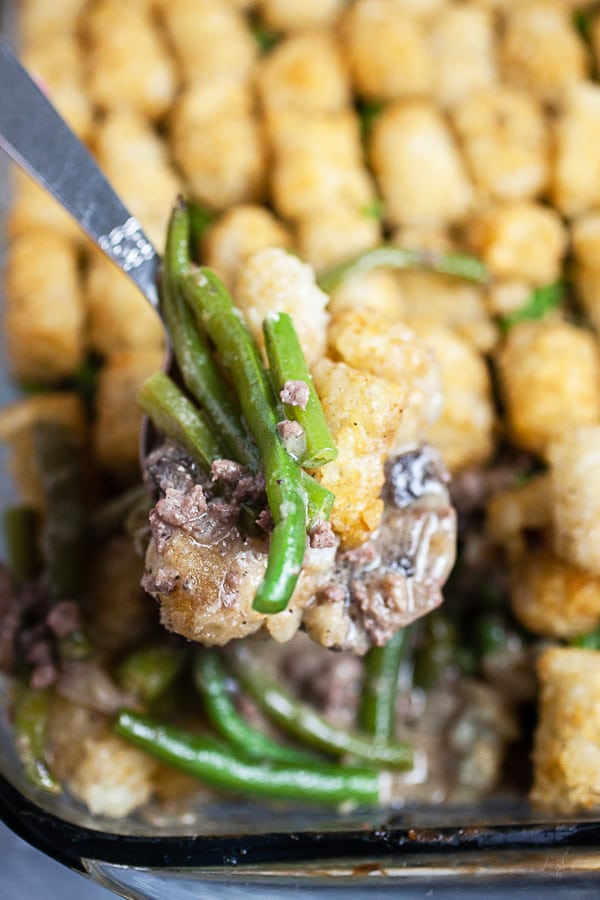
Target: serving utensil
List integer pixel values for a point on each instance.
(38, 139)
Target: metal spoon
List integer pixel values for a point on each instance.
(38, 139)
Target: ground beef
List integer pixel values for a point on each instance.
(295, 393)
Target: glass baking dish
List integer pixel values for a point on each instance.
(226, 848)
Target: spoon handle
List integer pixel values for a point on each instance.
(36, 137)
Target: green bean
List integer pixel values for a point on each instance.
(319, 499)
(20, 532)
(588, 641)
(198, 369)
(214, 310)
(63, 530)
(149, 671)
(300, 720)
(377, 712)
(459, 265)
(201, 219)
(176, 417)
(540, 302)
(210, 681)
(214, 763)
(30, 723)
(438, 648)
(287, 363)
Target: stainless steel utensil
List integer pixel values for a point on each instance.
(36, 137)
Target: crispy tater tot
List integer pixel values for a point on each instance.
(44, 315)
(520, 241)
(318, 163)
(304, 72)
(585, 237)
(464, 431)
(112, 777)
(390, 350)
(576, 172)
(42, 20)
(335, 234)
(210, 38)
(462, 42)
(118, 316)
(295, 15)
(566, 754)
(417, 164)
(513, 512)
(273, 280)
(549, 375)
(363, 413)
(128, 64)
(242, 231)
(116, 428)
(386, 51)
(135, 161)
(218, 142)
(506, 143)
(32, 207)
(376, 292)
(553, 598)
(575, 477)
(540, 49)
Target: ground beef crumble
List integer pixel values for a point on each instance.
(295, 393)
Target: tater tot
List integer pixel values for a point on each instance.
(418, 166)
(520, 241)
(335, 234)
(118, 417)
(55, 64)
(32, 207)
(318, 163)
(295, 15)
(462, 43)
(16, 423)
(575, 477)
(112, 777)
(273, 280)
(218, 142)
(512, 512)
(504, 137)
(576, 172)
(363, 413)
(135, 161)
(540, 49)
(210, 38)
(552, 598)
(464, 431)
(304, 72)
(585, 237)
(376, 292)
(128, 64)
(386, 51)
(390, 350)
(118, 316)
(549, 375)
(41, 20)
(44, 307)
(238, 234)
(566, 754)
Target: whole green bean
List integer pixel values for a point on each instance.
(377, 711)
(20, 533)
(30, 723)
(210, 681)
(445, 263)
(149, 671)
(588, 641)
(213, 763)
(63, 536)
(176, 417)
(540, 302)
(198, 369)
(214, 310)
(287, 363)
(320, 499)
(300, 720)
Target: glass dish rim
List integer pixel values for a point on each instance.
(70, 843)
